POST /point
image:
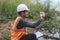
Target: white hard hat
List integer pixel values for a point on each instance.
(22, 7)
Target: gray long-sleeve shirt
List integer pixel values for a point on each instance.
(23, 23)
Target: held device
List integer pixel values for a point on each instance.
(42, 14)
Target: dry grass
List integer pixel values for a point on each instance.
(5, 31)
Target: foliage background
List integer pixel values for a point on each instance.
(8, 12)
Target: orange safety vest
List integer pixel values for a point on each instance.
(16, 33)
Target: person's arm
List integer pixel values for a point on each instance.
(24, 23)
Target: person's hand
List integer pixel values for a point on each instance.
(42, 15)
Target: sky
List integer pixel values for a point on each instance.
(54, 3)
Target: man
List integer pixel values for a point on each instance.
(19, 26)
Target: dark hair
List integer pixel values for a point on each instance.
(19, 13)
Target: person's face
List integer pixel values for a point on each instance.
(25, 13)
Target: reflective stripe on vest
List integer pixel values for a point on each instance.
(16, 33)
(14, 36)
